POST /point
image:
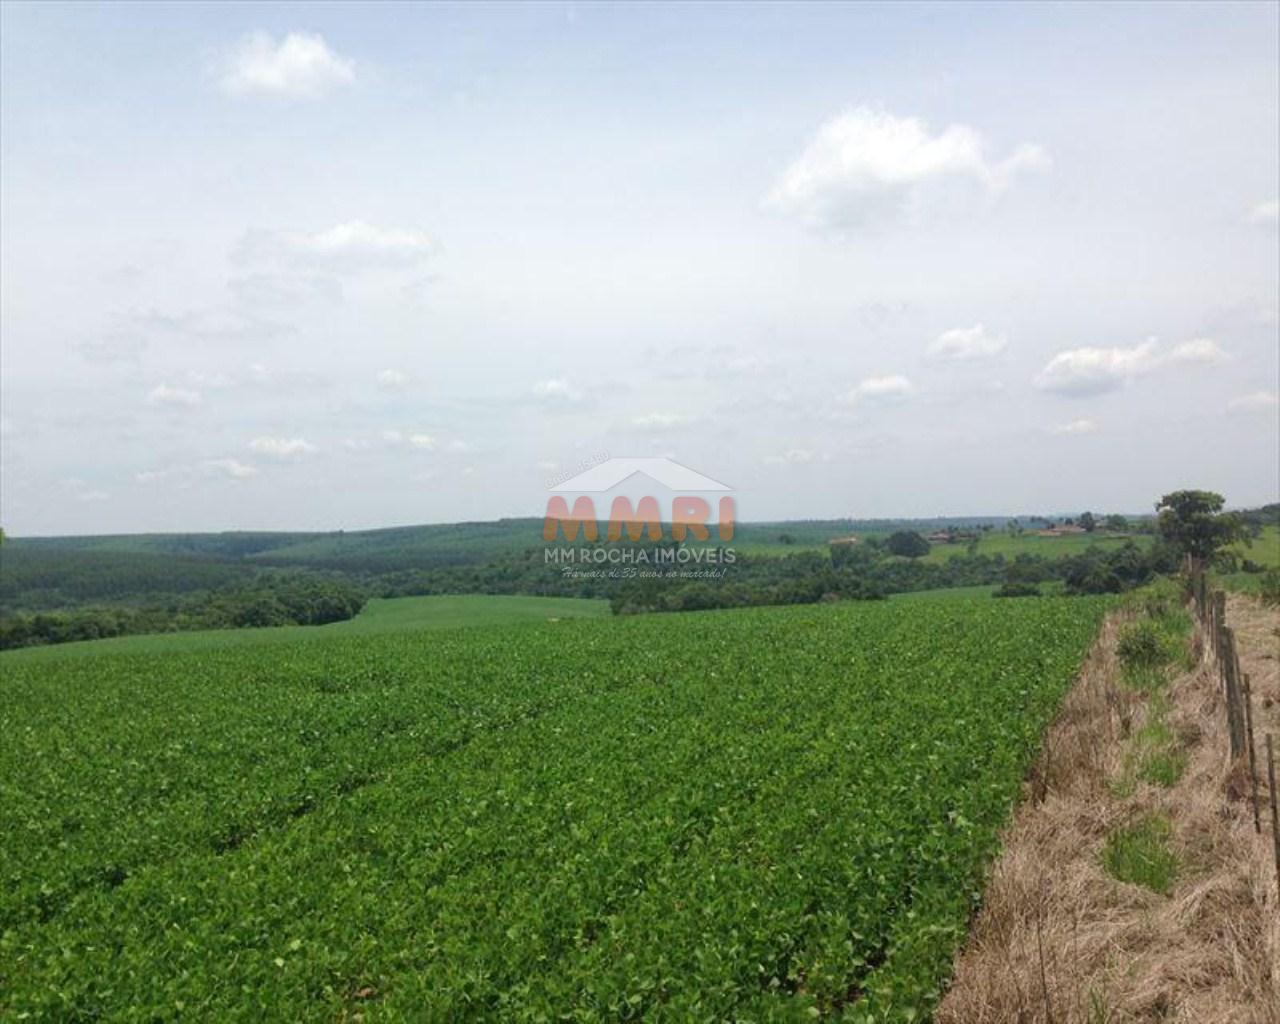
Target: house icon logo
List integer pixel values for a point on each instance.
(635, 489)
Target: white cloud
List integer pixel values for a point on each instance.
(233, 468)
(354, 245)
(660, 421)
(300, 66)
(163, 394)
(1197, 350)
(424, 442)
(1266, 214)
(1084, 426)
(1259, 401)
(392, 380)
(867, 165)
(148, 476)
(558, 392)
(281, 447)
(367, 243)
(967, 343)
(892, 388)
(1092, 371)
(791, 457)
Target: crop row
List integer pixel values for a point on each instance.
(762, 814)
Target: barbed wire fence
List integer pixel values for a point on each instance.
(1210, 606)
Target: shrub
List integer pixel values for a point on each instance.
(1162, 767)
(1017, 590)
(1161, 598)
(1094, 580)
(1140, 854)
(907, 543)
(1269, 587)
(1158, 757)
(1141, 647)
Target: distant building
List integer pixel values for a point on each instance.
(1061, 531)
(951, 536)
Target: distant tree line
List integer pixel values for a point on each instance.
(272, 600)
(1189, 523)
(34, 578)
(53, 591)
(866, 573)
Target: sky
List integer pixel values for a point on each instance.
(326, 266)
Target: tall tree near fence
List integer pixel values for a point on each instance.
(1194, 522)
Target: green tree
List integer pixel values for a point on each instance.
(1088, 521)
(907, 543)
(1193, 521)
(1117, 522)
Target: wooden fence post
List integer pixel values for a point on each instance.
(1275, 821)
(1235, 720)
(1253, 757)
(1219, 602)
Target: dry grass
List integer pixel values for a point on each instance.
(1058, 940)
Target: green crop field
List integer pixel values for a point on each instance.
(1001, 543)
(391, 615)
(379, 615)
(753, 814)
(994, 542)
(1265, 550)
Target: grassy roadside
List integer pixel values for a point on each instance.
(1131, 886)
(1153, 648)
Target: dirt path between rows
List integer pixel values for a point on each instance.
(1059, 940)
